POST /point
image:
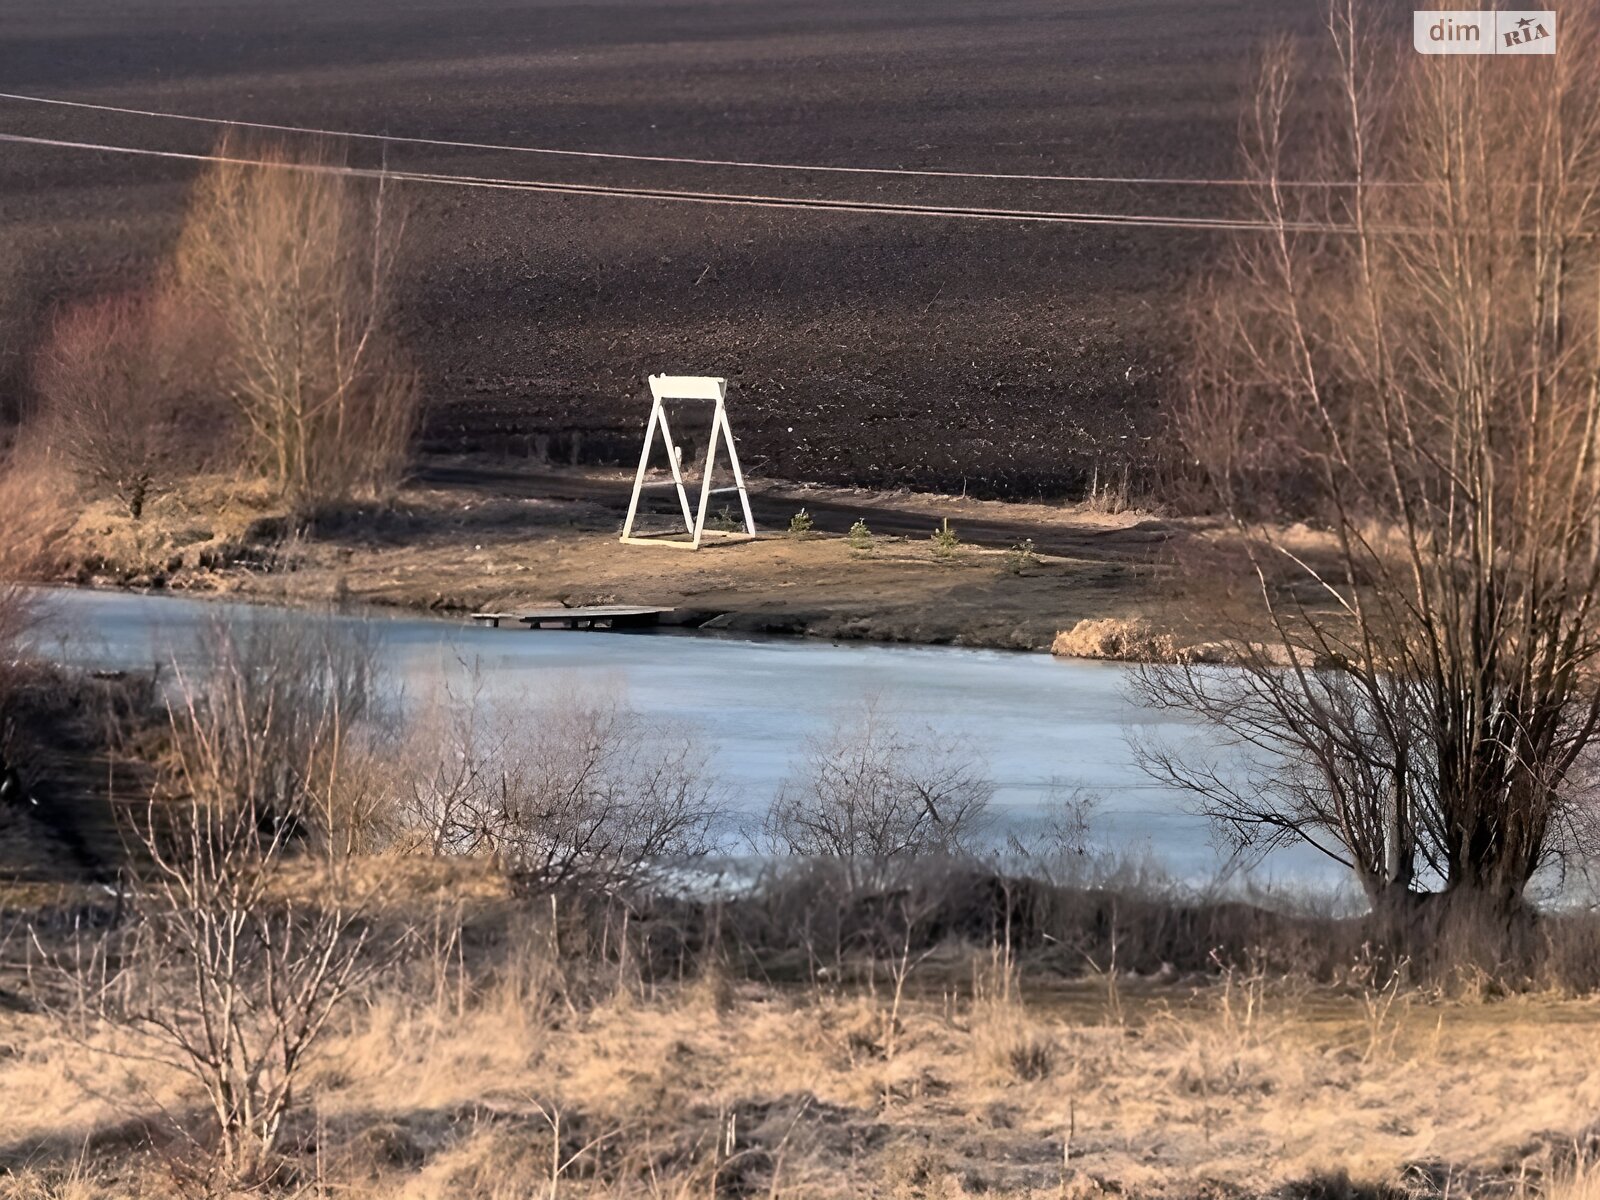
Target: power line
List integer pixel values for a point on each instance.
(1157, 181)
(733, 199)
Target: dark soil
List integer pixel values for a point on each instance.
(1003, 359)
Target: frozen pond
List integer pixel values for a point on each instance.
(1036, 720)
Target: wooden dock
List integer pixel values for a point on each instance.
(599, 616)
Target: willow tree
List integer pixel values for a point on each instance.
(1405, 354)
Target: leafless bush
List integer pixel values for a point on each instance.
(19, 611)
(226, 979)
(875, 795)
(16, 612)
(121, 387)
(1059, 846)
(568, 789)
(295, 709)
(297, 262)
(220, 971)
(19, 615)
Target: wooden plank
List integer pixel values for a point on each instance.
(587, 615)
(688, 387)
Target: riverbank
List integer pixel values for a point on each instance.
(467, 535)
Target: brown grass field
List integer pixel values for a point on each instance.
(517, 1056)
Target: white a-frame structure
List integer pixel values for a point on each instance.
(688, 387)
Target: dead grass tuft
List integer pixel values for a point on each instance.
(69, 1183)
(1580, 1182)
(1127, 640)
(1008, 1042)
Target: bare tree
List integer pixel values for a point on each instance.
(223, 970)
(297, 259)
(875, 795)
(1411, 363)
(573, 788)
(120, 385)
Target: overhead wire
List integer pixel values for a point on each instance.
(735, 199)
(677, 160)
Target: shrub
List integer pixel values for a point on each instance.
(26, 534)
(1021, 556)
(875, 795)
(17, 614)
(800, 525)
(219, 970)
(120, 383)
(1059, 846)
(288, 720)
(573, 789)
(945, 541)
(860, 537)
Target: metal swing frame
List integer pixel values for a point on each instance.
(700, 388)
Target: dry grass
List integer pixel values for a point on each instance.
(38, 513)
(1132, 640)
(519, 1051)
(203, 527)
(1582, 1182)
